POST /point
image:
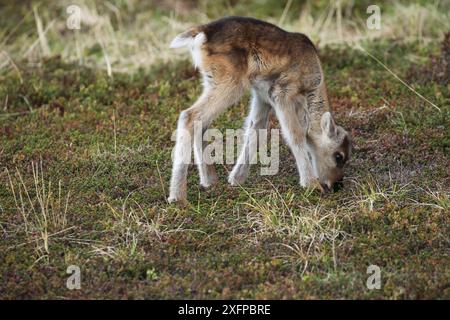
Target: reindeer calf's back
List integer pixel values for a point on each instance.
(245, 48)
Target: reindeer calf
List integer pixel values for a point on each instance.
(284, 73)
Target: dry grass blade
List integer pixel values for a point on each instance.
(44, 212)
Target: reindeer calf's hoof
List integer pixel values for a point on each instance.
(182, 202)
(236, 180)
(238, 175)
(210, 181)
(314, 184)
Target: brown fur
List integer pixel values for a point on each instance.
(245, 49)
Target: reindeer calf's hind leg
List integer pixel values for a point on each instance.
(181, 156)
(212, 102)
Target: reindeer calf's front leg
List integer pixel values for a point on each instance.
(295, 134)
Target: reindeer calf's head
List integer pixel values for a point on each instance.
(329, 151)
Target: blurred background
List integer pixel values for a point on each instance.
(125, 35)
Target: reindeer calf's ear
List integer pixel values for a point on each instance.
(328, 125)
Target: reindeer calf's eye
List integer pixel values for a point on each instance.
(339, 159)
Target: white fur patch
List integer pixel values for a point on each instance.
(194, 44)
(195, 48)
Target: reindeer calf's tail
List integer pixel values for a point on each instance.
(193, 39)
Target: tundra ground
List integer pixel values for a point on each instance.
(85, 163)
